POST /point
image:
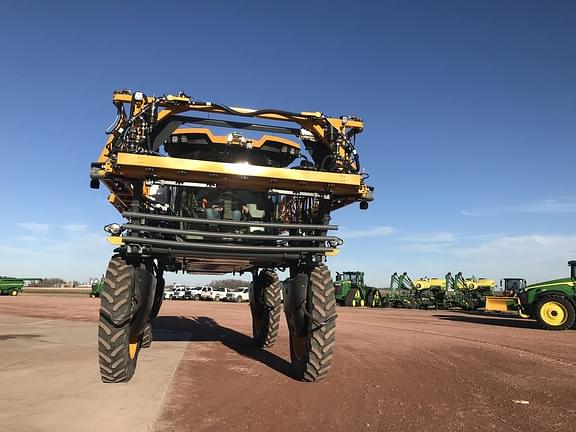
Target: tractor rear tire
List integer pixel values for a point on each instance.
(311, 355)
(117, 347)
(354, 298)
(555, 312)
(349, 298)
(374, 299)
(265, 301)
(147, 338)
(14, 293)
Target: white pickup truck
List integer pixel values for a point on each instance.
(217, 294)
(196, 293)
(207, 293)
(238, 295)
(220, 293)
(177, 292)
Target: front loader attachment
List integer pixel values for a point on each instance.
(501, 304)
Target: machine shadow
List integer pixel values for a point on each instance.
(494, 320)
(205, 329)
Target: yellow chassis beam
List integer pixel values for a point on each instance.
(236, 175)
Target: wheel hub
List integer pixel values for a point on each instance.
(554, 313)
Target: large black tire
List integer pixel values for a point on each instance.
(349, 300)
(374, 299)
(555, 312)
(311, 355)
(147, 338)
(354, 298)
(265, 301)
(117, 348)
(158, 297)
(14, 292)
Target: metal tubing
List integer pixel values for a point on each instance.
(238, 125)
(193, 245)
(228, 223)
(231, 235)
(210, 254)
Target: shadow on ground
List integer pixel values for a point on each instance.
(205, 329)
(494, 320)
(18, 336)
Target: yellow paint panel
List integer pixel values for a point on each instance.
(234, 169)
(500, 304)
(115, 241)
(223, 139)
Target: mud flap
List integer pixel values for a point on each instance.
(295, 293)
(144, 288)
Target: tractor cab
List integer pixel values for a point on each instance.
(356, 279)
(512, 286)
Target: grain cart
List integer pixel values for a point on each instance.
(552, 303)
(13, 286)
(201, 202)
(352, 291)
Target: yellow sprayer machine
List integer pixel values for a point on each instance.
(197, 201)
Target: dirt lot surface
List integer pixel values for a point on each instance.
(395, 370)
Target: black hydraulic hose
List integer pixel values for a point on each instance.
(255, 113)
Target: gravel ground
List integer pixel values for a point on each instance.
(398, 370)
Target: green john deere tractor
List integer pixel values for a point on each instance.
(352, 291)
(552, 303)
(97, 286)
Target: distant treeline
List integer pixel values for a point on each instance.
(54, 283)
(228, 283)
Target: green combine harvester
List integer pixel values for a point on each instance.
(552, 303)
(13, 286)
(352, 291)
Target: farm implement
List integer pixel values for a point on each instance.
(254, 199)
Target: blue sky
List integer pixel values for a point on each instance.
(469, 110)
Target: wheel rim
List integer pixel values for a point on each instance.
(14, 293)
(358, 300)
(133, 347)
(553, 313)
